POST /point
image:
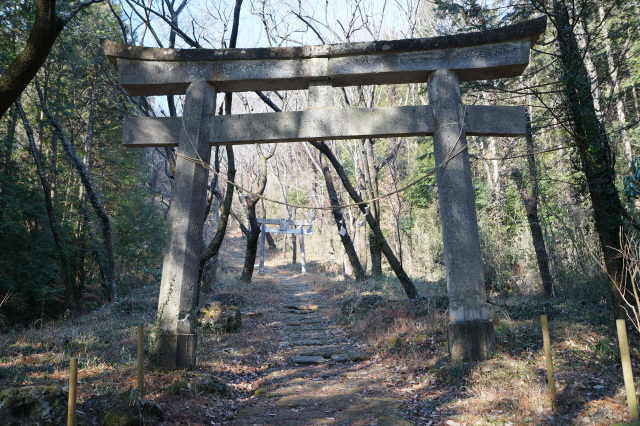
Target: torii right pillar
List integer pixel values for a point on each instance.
(471, 334)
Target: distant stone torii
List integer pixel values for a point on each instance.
(441, 62)
(285, 226)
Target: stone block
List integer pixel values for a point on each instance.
(42, 405)
(471, 340)
(308, 360)
(219, 317)
(175, 351)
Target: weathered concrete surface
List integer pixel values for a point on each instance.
(482, 55)
(463, 259)
(471, 340)
(176, 306)
(321, 124)
(529, 29)
(499, 60)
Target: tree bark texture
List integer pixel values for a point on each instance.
(252, 241)
(341, 223)
(370, 179)
(595, 152)
(47, 25)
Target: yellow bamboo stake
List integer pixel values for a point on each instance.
(626, 370)
(73, 381)
(547, 352)
(140, 361)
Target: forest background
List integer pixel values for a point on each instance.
(82, 219)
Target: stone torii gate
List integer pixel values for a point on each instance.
(285, 226)
(440, 61)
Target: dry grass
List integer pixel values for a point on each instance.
(410, 357)
(510, 389)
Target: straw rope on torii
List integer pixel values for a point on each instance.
(441, 62)
(365, 202)
(206, 165)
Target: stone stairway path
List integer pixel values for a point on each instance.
(326, 379)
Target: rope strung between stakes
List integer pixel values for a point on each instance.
(206, 165)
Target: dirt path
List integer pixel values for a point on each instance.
(322, 377)
(326, 378)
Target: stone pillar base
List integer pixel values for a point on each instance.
(471, 340)
(175, 351)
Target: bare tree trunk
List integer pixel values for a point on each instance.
(80, 239)
(339, 218)
(404, 279)
(213, 248)
(294, 249)
(112, 289)
(252, 241)
(370, 180)
(252, 201)
(270, 242)
(595, 153)
(530, 201)
(485, 162)
(615, 89)
(53, 221)
(592, 73)
(5, 156)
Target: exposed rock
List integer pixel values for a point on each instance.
(42, 405)
(310, 342)
(360, 357)
(150, 408)
(216, 317)
(308, 360)
(303, 308)
(340, 358)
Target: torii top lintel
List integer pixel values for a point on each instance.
(497, 53)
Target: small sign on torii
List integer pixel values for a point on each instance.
(441, 62)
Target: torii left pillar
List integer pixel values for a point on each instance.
(471, 334)
(176, 340)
